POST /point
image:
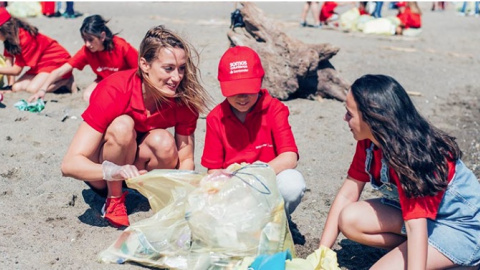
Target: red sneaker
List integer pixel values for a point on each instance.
(115, 212)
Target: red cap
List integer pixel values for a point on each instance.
(4, 15)
(240, 71)
(401, 4)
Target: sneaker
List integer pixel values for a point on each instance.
(115, 212)
(303, 24)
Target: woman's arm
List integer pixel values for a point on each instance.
(286, 160)
(53, 77)
(185, 146)
(417, 243)
(85, 146)
(349, 193)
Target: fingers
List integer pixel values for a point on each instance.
(129, 171)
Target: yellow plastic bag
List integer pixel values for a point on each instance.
(3, 63)
(321, 259)
(205, 221)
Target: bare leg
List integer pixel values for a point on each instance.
(397, 259)
(315, 8)
(32, 83)
(157, 150)
(120, 148)
(372, 223)
(88, 91)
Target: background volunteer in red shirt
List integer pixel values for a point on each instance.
(106, 53)
(410, 16)
(26, 47)
(124, 130)
(252, 126)
(429, 212)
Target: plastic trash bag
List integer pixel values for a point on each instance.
(321, 259)
(348, 19)
(203, 222)
(24, 9)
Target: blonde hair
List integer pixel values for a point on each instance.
(189, 92)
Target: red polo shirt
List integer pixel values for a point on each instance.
(264, 135)
(410, 19)
(122, 57)
(40, 53)
(421, 207)
(121, 93)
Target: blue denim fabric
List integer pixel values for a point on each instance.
(456, 231)
(389, 190)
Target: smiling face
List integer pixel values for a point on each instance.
(353, 117)
(166, 71)
(242, 103)
(94, 43)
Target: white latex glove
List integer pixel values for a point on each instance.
(114, 172)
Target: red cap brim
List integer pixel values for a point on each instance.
(245, 86)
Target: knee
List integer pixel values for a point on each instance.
(121, 131)
(31, 89)
(348, 220)
(16, 87)
(161, 140)
(291, 186)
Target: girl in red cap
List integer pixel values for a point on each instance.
(250, 125)
(106, 53)
(26, 47)
(124, 132)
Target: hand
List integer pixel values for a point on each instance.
(114, 172)
(40, 94)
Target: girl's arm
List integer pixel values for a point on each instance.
(417, 243)
(349, 193)
(53, 77)
(286, 160)
(11, 70)
(185, 146)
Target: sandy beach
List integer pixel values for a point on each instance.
(54, 222)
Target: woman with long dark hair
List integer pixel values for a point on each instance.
(429, 212)
(105, 52)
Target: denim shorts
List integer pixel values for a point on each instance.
(456, 230)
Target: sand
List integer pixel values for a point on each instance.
(53, 222)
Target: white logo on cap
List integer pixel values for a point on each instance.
(239, 66)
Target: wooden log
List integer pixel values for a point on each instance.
(292, 68)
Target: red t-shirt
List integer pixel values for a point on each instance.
(264, 135)
(40, 53)
(121, 93)
(122, 57)
(328, 9)
(410, 19)
(421, 207)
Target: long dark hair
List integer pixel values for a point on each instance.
(413, 147)
(94, 25)
(10, 31)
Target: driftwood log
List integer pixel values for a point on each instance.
(293, 69)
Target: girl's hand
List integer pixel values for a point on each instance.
(39, 95)
(114, 172)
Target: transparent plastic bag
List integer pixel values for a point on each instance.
(205, 221)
